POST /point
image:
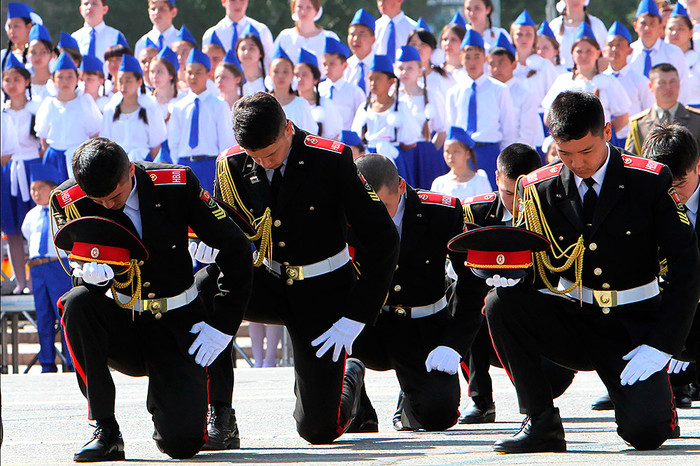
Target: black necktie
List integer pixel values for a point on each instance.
(589, 201)
(276, 182)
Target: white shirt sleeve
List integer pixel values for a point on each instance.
(409, 131)
(332, 123)
(175, 129)
(506, 118)
(157, 132)
(43, 119)
(9, 142)
(92, 118)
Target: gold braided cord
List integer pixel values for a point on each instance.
(229, 193)
(468, 214)
(263, 228)
(71, 212)
(535, 221)
(133, 272)
(663, 267)
(90, 259)
(496, 266)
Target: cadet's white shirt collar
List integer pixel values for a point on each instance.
(131, 208)
(692, 205)
(133, 200)
(396, 19)
(598, 176)
(400, 210)
(660, 111)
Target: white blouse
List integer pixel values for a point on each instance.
(66, 125)
(388, 126)
(479, 184)
(566, 40)
(299, 112)
(292, 42)
(28, 145)
(135, 136)
(328, 116)
(434, 112)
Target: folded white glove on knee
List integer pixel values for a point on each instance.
(443, 359)
(342, 334)
(502, 282)
(209, 343)
(93, 273)
(644, 361)
(203, 253)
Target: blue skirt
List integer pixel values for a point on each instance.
(164, 153)
(486, 155)
(421, 165)
(204, 170)
(12, 208)
(57, 159)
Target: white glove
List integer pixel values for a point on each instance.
(503, 282)
(443, 359)
(342, 334)
(209, 343)
(203, 253)
(644, 361)
(675, 366)
(93, 273)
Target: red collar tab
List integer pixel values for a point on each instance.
(69, 196)
(164, 177)
(426, 197)
(323, 143)
(640, 163)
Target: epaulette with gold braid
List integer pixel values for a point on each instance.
(233, 150)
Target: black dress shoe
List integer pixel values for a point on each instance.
(682, 400)
(106, 445)
(222, 429)
(604, 403)
(365, 420)
(396, 420)
(543, 432)
(694, 392)
(479, 413)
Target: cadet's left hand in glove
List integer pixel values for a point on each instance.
(203, 253)
(644, 361)
(208, 344)
(342, 334)
(675, 366)
(502, 282)
(443, 359)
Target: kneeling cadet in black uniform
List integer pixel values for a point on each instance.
(148, 321)
(609, 218)
(417, 333)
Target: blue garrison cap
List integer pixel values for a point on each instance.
(421, 24)
(91, 63)
(280, 53)
(382, 63)
(214, 40)
(39, 32)
(363, 17)
(584, 30)
(545, 30)
(524, 19)
(472, 37)
(250, 30)
(130, 64)
(13, 62)
(169, 55)
(197, 56)
(232, 59)
(67, 42)
(647, 7)
(121, 40)
(19, 10)
(307, 57)
(150, 44)
(408, 53)
(333, 45)
(505, 43)
(41, 172)
(350, 138)
(458, 20)
(618, 29)
(679, 10)
(185, 35)
(64, 62)
(455, 133)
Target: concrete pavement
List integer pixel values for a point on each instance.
(45, 421)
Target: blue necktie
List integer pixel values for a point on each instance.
(647, 62)
(391, 43)
(160, 42)
(44, 238)
(234, 37)
(332, 89)
(194, 127)
(361, 80)
(616, 74)
(471, 118)
(93, 40)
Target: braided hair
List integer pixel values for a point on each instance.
(10, 44)
(142, 111)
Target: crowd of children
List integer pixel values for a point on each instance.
(442, 105)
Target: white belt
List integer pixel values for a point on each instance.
(160, 305)
(611, 298)
(419, 311)
(302, 272)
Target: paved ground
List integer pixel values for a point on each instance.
(45, 421)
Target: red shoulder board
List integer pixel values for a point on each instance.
(323, 143)
(542, 174)
(427, 197)
(168, 177)
(480, 199)
(234, 150)
(640, 163)
(69, 196)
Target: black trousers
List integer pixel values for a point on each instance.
(526, 325)
(307, 308)
(431, 399)
(101, 335)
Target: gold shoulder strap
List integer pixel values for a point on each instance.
(468, 214)
(634, 134)
(71, 213)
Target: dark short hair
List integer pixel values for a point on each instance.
(574, 114)
(99, 165)
(379, 171)
(258, 120)
(517, 160)
(501, 51)
(662, 68)
(674, 146)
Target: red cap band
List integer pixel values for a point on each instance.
(100, 253)
(498, 260)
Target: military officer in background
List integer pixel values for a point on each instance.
(303, 193)
(147, 321)
(665, 85)
(608, 218)
(417, 334)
